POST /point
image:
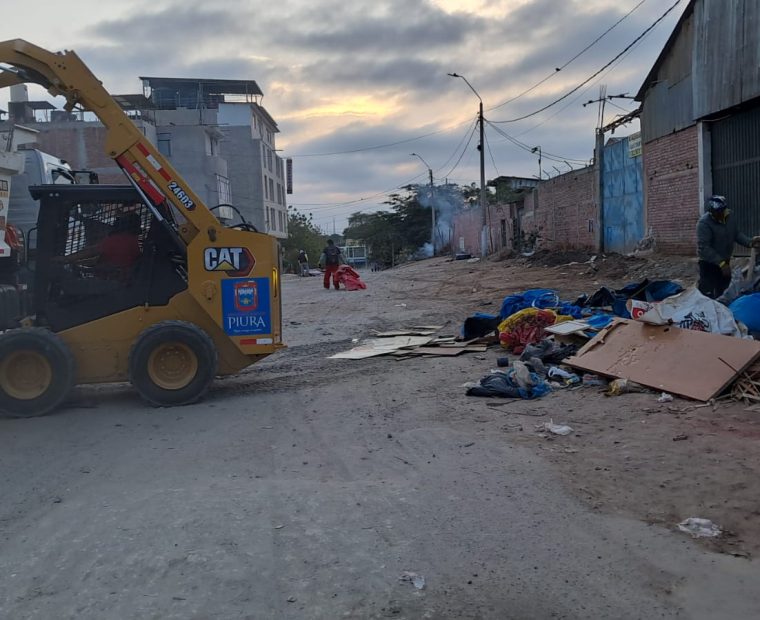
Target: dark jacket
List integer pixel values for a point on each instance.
(332, 255)
(715, 241)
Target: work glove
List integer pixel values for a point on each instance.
(755, 243)
(725, 269)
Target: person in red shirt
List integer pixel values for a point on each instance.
(121, 248)
(117, 253)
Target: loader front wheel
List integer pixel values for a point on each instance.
(37, 372)
(172, 363)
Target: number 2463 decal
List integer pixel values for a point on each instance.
(182, 195)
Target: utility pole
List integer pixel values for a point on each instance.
(432, 200)
(483, 195)
(537, 149)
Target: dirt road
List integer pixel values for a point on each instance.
(305, 487)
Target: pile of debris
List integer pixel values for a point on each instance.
(645, 336)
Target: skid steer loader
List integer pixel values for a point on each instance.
(139, 282)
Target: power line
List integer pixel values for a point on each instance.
(458, 146)
(576, 99)
(332, 205)
(490, 152)
(573, 59)
(587, 80)
(379, 146)
(525, 147)
(472, 133)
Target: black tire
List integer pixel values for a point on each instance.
(34, 349)
(172, 363)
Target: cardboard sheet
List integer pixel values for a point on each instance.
(381, 346)
(689, 363)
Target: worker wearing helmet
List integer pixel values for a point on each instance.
(717, 233)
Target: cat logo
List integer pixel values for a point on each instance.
(234, 262)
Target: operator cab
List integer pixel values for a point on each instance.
(100, 251)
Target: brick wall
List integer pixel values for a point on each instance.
(559, 210)
(467, 226)
(671, 177)
(82, 145)
(563, 211)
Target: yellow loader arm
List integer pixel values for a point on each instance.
(64, 74)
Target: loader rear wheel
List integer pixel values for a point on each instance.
(172, 363)
(37, 372)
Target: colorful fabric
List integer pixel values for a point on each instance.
(527, 327)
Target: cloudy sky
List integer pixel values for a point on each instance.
(357, 86)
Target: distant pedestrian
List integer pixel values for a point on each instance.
(717, 233)
(303, 263)
(330, 260)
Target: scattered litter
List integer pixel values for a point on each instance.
(418, 581)
(568, 378)
(278, 527)
(555, 429)
(292, 599)
(594, 380)
(681, 437)
(700, 528)
(506, 384)
(624, 386)
(502, 362)
(474, 260)
(665, 398)
(400, 305)
(747, 386)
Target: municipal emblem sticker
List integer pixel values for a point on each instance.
(246, 306)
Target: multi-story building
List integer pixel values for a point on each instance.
(222, 140)
(215, 133)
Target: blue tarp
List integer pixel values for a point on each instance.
(747, 310)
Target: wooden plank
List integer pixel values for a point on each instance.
(394, 334)
(440, 351)
(692, 364)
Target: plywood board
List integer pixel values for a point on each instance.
(567, 327)
(692, 364)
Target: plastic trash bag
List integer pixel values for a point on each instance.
(688, 310)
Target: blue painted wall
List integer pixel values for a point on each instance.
(623, 198)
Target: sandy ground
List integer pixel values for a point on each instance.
(304, 487)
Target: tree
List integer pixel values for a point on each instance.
(302, 235)
(396, 233)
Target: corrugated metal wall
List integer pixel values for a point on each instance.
(736, 166)
(668, 105)
(726, 54)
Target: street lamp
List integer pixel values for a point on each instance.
(432, 202)
(534, 150)
(481, 148)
